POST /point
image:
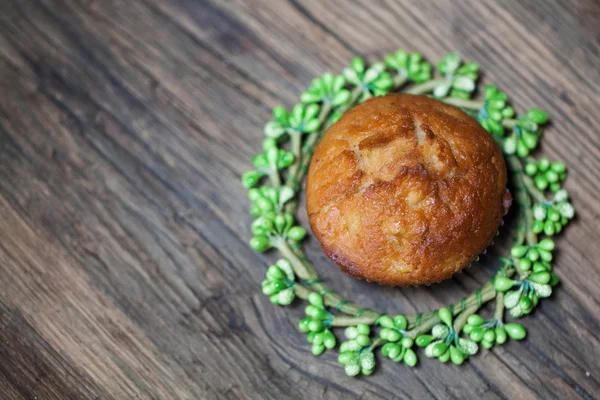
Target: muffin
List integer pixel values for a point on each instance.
(406, 190)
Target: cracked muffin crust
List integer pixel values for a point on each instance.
(406, 190)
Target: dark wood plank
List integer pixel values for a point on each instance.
(124, 127)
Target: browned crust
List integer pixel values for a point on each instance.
(405, 190)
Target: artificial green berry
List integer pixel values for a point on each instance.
(440, 331)
(327, 89)
(363, 340)
(515, 331)
(500, 334)
(531, 168)
(410, 358)
(274, 272)
(439, 349)
(475, 320)
(284, 297)
(502, 283)
(518, 251)
(467, 346)
(541, 290)
(280, 113)
(393, 335)
(538, 116)
(407, 342)
(553, 215)
(367, 360)
(524, 264)
(363, 329)
(445, 316)
(352, 369)
(303, 325)
(317, 349)
(525, 138)
(355, 353)
(296, 233)
(260, 243)
(251, 178)
(444, 357)
(546, 244)
(374, 81)
(489, 336)
(262, 226)
(316, 312)
(315, 326)
(456, 356)
(550, 217)
(304, 119)
(316, 300)
(385, 349)
(386, 321)
(460, 80)
(523, 148)
(540, 277)
(510, 144)
(492, 331)
(367, 372)
(477, 334)
(410, 66)
(537, 227)
(423, 340)
(533, 255)
(511, 298)
(254, 211)
(317, 338)
(265, 204)
(394, 350)
(529, 141)
(494, 110)
(541, 266)
(351, 332)
(400, 322)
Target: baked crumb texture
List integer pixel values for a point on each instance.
(406, 190)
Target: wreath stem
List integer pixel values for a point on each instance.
(296, 147)
(274, 177)
(464, 103)
(499, 310)
(427, 86)
(399, 81)
(522, 190)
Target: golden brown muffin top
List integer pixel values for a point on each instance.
(406, 190)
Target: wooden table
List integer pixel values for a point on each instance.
(125, 125)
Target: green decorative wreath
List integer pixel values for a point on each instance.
(451, 333)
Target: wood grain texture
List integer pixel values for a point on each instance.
(124, 128)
